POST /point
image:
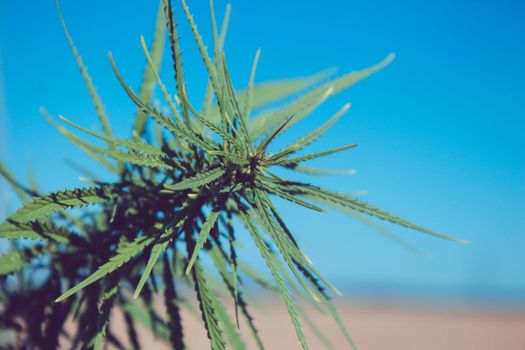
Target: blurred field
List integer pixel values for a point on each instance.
(376, 326)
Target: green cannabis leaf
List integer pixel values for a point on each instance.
(181, 181)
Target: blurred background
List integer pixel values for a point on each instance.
(440, 135)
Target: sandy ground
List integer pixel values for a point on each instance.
(376, 326)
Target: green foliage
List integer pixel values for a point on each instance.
(33, 230)
(175, 198)
(208, 306)
(267, 256)
(41, 207)
(125, 252)
(99, 107)
(11, 262)
(203, 236)
(157, 249)
(148, 81)
(197, 181)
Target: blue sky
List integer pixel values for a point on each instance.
(440, 131)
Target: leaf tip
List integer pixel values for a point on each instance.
(328, 92)
(390, 57)
(308, 259)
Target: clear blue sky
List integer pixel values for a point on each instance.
(440, 131)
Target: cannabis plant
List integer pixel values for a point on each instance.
(181, 188)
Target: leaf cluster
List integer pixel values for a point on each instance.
(184, 177)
